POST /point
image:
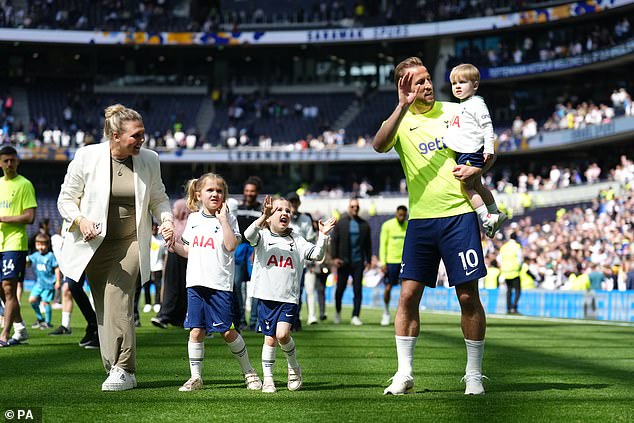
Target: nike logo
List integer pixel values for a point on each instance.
(194, 226)
(214, 324)
(470, 272)
(415, 127)
(288, 315)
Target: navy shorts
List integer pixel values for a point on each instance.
(209, 309)
(13, 264)
(393, 275)
(270, 313)
(471, 159)
(454, 239)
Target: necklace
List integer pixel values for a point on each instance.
(121, 165)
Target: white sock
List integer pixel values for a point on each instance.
(386, 309)
(19, 326)
(493, 208)
(482, 212)
(475, 349)
(291, 356)
(405, 346)
(196, 352)
(239, 350)
(66, 319)
(268, 360)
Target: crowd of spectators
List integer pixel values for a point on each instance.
(539, 45)
(168, 15)
(580, 241)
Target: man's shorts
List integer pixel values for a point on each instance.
(13, 264)
(393, 274)
(45, 294)
(471, 159)
(454, 239)
(209, 309)
(270, 313)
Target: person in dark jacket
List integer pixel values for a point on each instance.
(351, 251)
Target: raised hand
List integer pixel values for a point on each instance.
(327, 226)
(407, 95)
(223, 213)
(267, 206)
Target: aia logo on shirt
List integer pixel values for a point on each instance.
(203, 242)
(455, 121)
(280, 261)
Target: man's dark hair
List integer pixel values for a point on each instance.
(8, 150)
(399, 208)
(254, 180)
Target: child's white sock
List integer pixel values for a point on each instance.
(405, 346)
(475, 350)
(66, 319)
(291, 356)
(482, 212)
(268, 360)
(19, 326)
(196, 351)
(239, 350)
(386, 308)
(493, 208)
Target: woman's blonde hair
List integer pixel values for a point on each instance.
(115, 116)
(195, 185)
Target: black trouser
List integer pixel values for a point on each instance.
(82, 300)
(320, 287)
(155, 278)
(174, 301)
(513, 284)
(356, 270)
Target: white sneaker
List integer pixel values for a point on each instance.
(355, 321)
(385, 319)
(193, 384)
(119, 380)
(268, 387)
(474, 384)
(157, 308)
(252, 380)
(400, 385)
(337, 318)
(312, 320)
(20, 335)
(147, 308)
(294, 378)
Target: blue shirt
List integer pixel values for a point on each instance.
(44, 268)
(355, 247)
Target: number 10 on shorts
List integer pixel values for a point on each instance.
(468, 258)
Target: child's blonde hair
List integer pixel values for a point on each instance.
(465, 71)
(195, 185)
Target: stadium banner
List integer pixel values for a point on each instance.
(596, 305)
(317, 36)
(555, 65)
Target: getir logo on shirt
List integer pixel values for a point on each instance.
(203, 242)
(282, 262)
(436, 144)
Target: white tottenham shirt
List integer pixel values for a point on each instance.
(471, 128)
(209, 264)
(279, 262)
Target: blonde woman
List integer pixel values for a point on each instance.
(109, 195)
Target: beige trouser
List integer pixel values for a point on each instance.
(112, 274)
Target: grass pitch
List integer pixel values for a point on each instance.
(538, 370)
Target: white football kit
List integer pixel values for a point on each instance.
(279, 262)
(209, 264)
(471, 128)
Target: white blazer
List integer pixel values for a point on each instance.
(86, 192)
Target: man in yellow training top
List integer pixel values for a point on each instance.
(391, 243)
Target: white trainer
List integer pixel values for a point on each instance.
(252, 380)
(312, 320)
(157, 308)
(268, 387)
(474, 384)
(400, 385)
(193, 384)
(21, 335)
(294, 378)
(147, 308)
(337, 318)
(355, 321)
(119, 380)
(385, 319)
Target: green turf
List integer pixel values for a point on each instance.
(539, 371)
